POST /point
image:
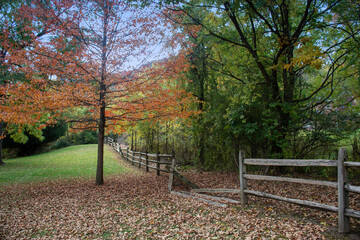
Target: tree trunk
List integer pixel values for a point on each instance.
(100, 159)
(101, 136)
(1, 142)
(132, 140)
(166, 138)
(102, 85)
(199, 72)
(202, 149)
(158, 138)
(201, 138)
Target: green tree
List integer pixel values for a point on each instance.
(199, 74)
(290, 56)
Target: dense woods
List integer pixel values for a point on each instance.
(276, 78)
(202, 79)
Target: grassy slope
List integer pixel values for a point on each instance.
(75, 161)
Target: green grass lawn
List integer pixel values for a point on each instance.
(70, 162)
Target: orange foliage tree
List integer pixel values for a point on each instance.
(91, 58)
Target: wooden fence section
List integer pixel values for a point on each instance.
(148, 160)
(343, 187)
(153, 161)
(343, 210)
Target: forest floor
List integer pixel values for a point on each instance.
(137, 205)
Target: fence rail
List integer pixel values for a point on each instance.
(343, 210)
(155, 161)
(343, 187)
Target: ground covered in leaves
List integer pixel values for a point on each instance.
(138, 206)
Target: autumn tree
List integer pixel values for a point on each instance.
(13, 35)
(94, 56)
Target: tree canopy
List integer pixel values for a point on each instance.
(277, 78)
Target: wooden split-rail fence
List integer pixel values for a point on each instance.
(158, 162)
(154, 161)
(343, 187)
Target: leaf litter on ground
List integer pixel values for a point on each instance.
(139, 206)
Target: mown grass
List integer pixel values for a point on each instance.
(70, 162)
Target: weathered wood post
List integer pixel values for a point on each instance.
(243, 184)
(158, 164)
(127, 153)
(171, 176)
(140, 160)
(343, 195)
(147, 161)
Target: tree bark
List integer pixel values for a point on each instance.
(199, 75)
(166, 137)
(100, 158)
(201, 122)
(1, 142)
(102, 103)
(132, 140)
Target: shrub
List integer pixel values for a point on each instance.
(60, 143)
(84, 137)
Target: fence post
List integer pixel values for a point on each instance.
(158, 164)
(343, 196)
(127, 153)
(147, 161)
(171, 176)
(243, 184)
(140, 160)
(120, 151)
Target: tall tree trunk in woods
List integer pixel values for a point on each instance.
(201, 108)
(1, 142)
(132, 140)
(199, 75)
(166, 137)
(158, 138)
(201, 142)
